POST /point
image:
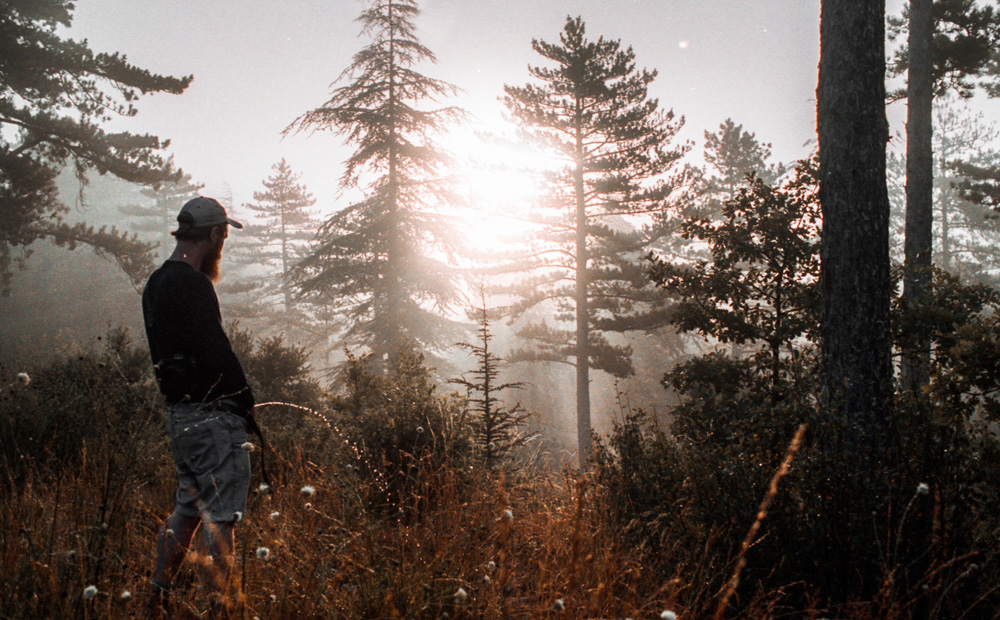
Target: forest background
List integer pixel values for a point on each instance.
(697, 398)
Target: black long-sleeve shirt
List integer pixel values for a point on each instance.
(182, 317)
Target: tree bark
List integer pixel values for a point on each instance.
(853, 132)
(582, 306)
(919, 179)
(851, 433)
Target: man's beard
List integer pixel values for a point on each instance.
(210, 262)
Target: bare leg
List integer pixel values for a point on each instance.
(172, 543)
(217, 541)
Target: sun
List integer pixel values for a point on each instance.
(500, 181)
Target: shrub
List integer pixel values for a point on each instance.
(398, 428)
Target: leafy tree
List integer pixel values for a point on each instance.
(497, 428)
(54, 95)
(379, 259)
(592, 112)
(854, 430)
(284, 205)
(760, 285)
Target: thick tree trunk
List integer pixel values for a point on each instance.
(851, 434)
(919, 179)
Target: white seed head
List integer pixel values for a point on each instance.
(90, 592)
(559, 605)
(126, 595)
(668, 615)
(923, 489)
(491, 565)
(170, 533)
(263, 553)
(308, 506)
(487, 580)
(248, 446)
(238, 516)
(264, 487)
(420, 429)
(23, 378)
(507, 515)
(274, 598)
(461, 596)
(308, 491)
(275, 515)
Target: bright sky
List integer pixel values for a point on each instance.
(259, 64)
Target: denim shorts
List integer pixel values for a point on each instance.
(213, 464)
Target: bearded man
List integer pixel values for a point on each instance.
(209, 404)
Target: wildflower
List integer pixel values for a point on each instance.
(668, 615)
(248, 446)
(275, 515)
(263, 553)
(23, 378)
(308, 491)
(350, 467)
(238, 515)
(558, 605)
(309, 506)
(420, 429)
(487, 580)
(274, 598)
(461, 596)
(170, 533)
(491, 565)
(90, 592)
(507, 515)
(923, 489)
(264, 488)
(126, 595)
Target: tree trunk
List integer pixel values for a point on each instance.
(919, 180)
(851, 432)
(582, 311)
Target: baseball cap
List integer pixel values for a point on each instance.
(202, 212)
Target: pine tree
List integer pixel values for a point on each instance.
(498, 429)
(158, 219)
(949, 48)
(734, 153)
(852, 432)
(287, 222)
(381, 259)
(592, 112)
(54, 95)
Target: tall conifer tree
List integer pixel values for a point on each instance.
(381, 258)
(592, 111)
(288, 223)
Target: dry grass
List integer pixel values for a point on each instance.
(517, 548)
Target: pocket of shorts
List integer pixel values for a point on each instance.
(198, 446)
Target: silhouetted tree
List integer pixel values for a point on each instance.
(760, 286)
(380, 259)
(498, 429)
(54, 95)
(592, 112)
